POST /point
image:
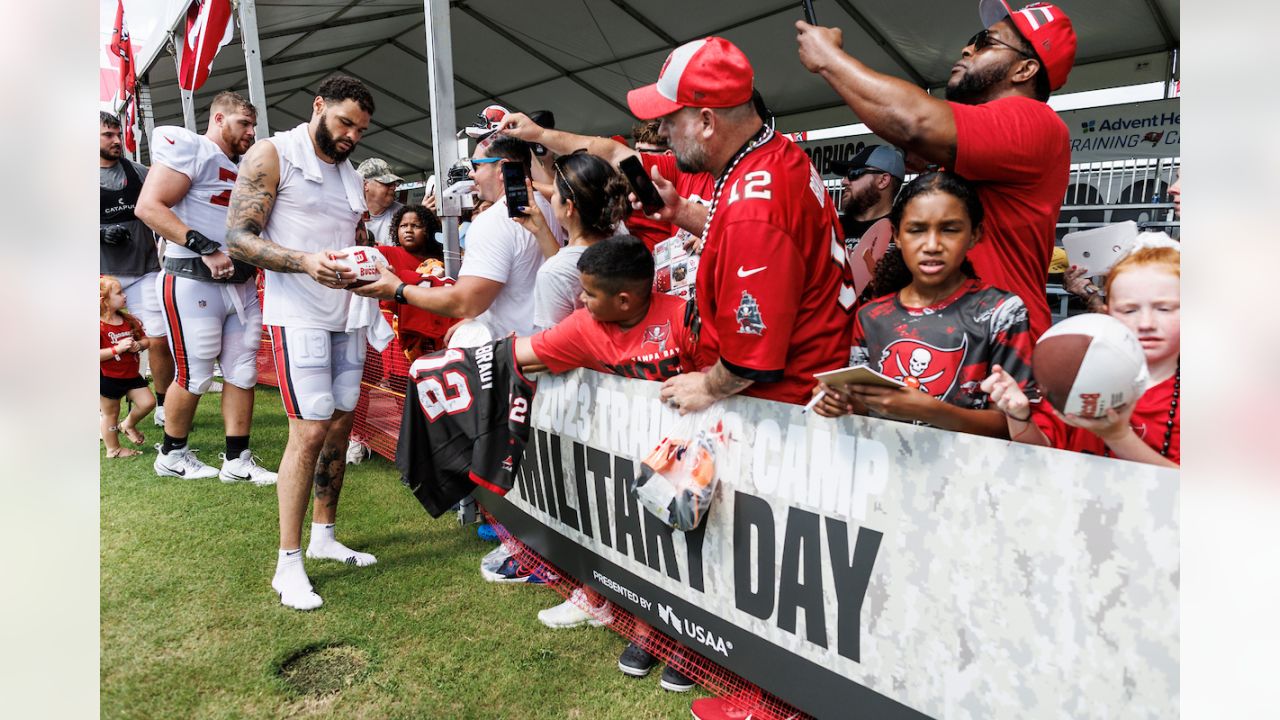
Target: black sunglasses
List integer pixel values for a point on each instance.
(982, 40)
(855, 174)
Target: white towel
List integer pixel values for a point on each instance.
(363, 313)
(295, 146)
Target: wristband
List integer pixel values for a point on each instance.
(400, 294)
(201, 245)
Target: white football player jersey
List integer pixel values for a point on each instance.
(212, 174)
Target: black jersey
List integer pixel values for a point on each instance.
(466, 423)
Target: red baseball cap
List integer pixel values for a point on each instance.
(711, 72)
(1045, 27)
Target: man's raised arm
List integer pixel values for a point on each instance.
(518, 125)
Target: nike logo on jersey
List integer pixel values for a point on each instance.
(167, 138)
(748, 273)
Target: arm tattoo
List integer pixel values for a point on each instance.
(251, 201)
(722, 383)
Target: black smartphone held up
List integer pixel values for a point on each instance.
(644, 188)
(517, 194)
(809, 15)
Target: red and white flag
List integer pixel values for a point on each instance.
(123, 48)
(208, 30)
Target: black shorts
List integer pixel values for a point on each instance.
(116, 388)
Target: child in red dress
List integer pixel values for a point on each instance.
(120, 339)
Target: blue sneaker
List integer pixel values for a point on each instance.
(487, 533)
(511, 571)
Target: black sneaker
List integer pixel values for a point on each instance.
(675, 681)
(634, 661)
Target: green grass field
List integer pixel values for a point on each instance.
(191, 628)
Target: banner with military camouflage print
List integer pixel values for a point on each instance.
(867, 568)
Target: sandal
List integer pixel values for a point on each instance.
(134, 434)
(122, 452)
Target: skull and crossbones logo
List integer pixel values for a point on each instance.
(917, 366)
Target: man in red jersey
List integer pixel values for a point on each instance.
(774, 293)
(995, 129)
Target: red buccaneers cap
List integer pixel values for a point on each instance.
(711, 72)
(1045, 27)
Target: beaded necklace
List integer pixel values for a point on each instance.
(693, 319)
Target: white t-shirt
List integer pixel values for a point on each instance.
(379, 226)
(499, 249)
(558, 291)
(309, 217)
(212, 175)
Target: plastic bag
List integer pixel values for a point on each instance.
(678, 478)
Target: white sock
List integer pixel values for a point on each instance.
(325, 546)
(292, 583)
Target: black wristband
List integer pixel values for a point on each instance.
(400, 294)
(201, 245)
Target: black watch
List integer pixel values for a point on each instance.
(400, 294)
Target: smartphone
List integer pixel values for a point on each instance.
(641, 184)
(809, 16)
(517, 194)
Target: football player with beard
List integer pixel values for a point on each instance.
(296, 202)
(995, 129)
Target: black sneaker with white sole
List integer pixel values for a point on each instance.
(634, 661)
(675, 681)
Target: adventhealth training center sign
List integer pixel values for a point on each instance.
(1114, 132)
(870, 568)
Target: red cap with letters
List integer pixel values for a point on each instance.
(1045, 27)
(711, 72)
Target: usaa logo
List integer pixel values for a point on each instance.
(693, 631)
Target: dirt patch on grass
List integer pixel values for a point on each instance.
(323, 671)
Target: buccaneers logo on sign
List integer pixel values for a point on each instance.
(921, 365)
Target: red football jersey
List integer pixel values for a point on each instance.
(658, 347)
(429, 326)
(127, 366)
(1018, 152)
(688, 185)
(774, 292)
(1149, 420)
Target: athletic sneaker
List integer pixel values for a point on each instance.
(570, 613)
(675, 681)
(634, 661)
(357, 452)
(486, 532)
(182, 463)
(717, 709)
(492, 562)
(158, 416)
(245, 468)
(512, 571)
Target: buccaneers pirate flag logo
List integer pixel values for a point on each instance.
(921, 365)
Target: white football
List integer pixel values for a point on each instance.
(364, 262)
(1088, 364)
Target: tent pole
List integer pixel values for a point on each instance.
(145, 113)
(248, 11)
(444, 145)
(444, 139)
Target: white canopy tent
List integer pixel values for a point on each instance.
(578, 58)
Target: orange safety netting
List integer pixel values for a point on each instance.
(377, 425)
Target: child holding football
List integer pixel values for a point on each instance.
(120, 340)
(1142, 292)
(933, 325)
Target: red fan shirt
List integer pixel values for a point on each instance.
(658, 347)
(1018, 152)
(946, 349)
(109, 336)
(1149, 420)
(774, 291)
(430, 326)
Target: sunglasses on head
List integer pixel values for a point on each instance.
(982, 40)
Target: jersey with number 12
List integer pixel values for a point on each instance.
(466, 422)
